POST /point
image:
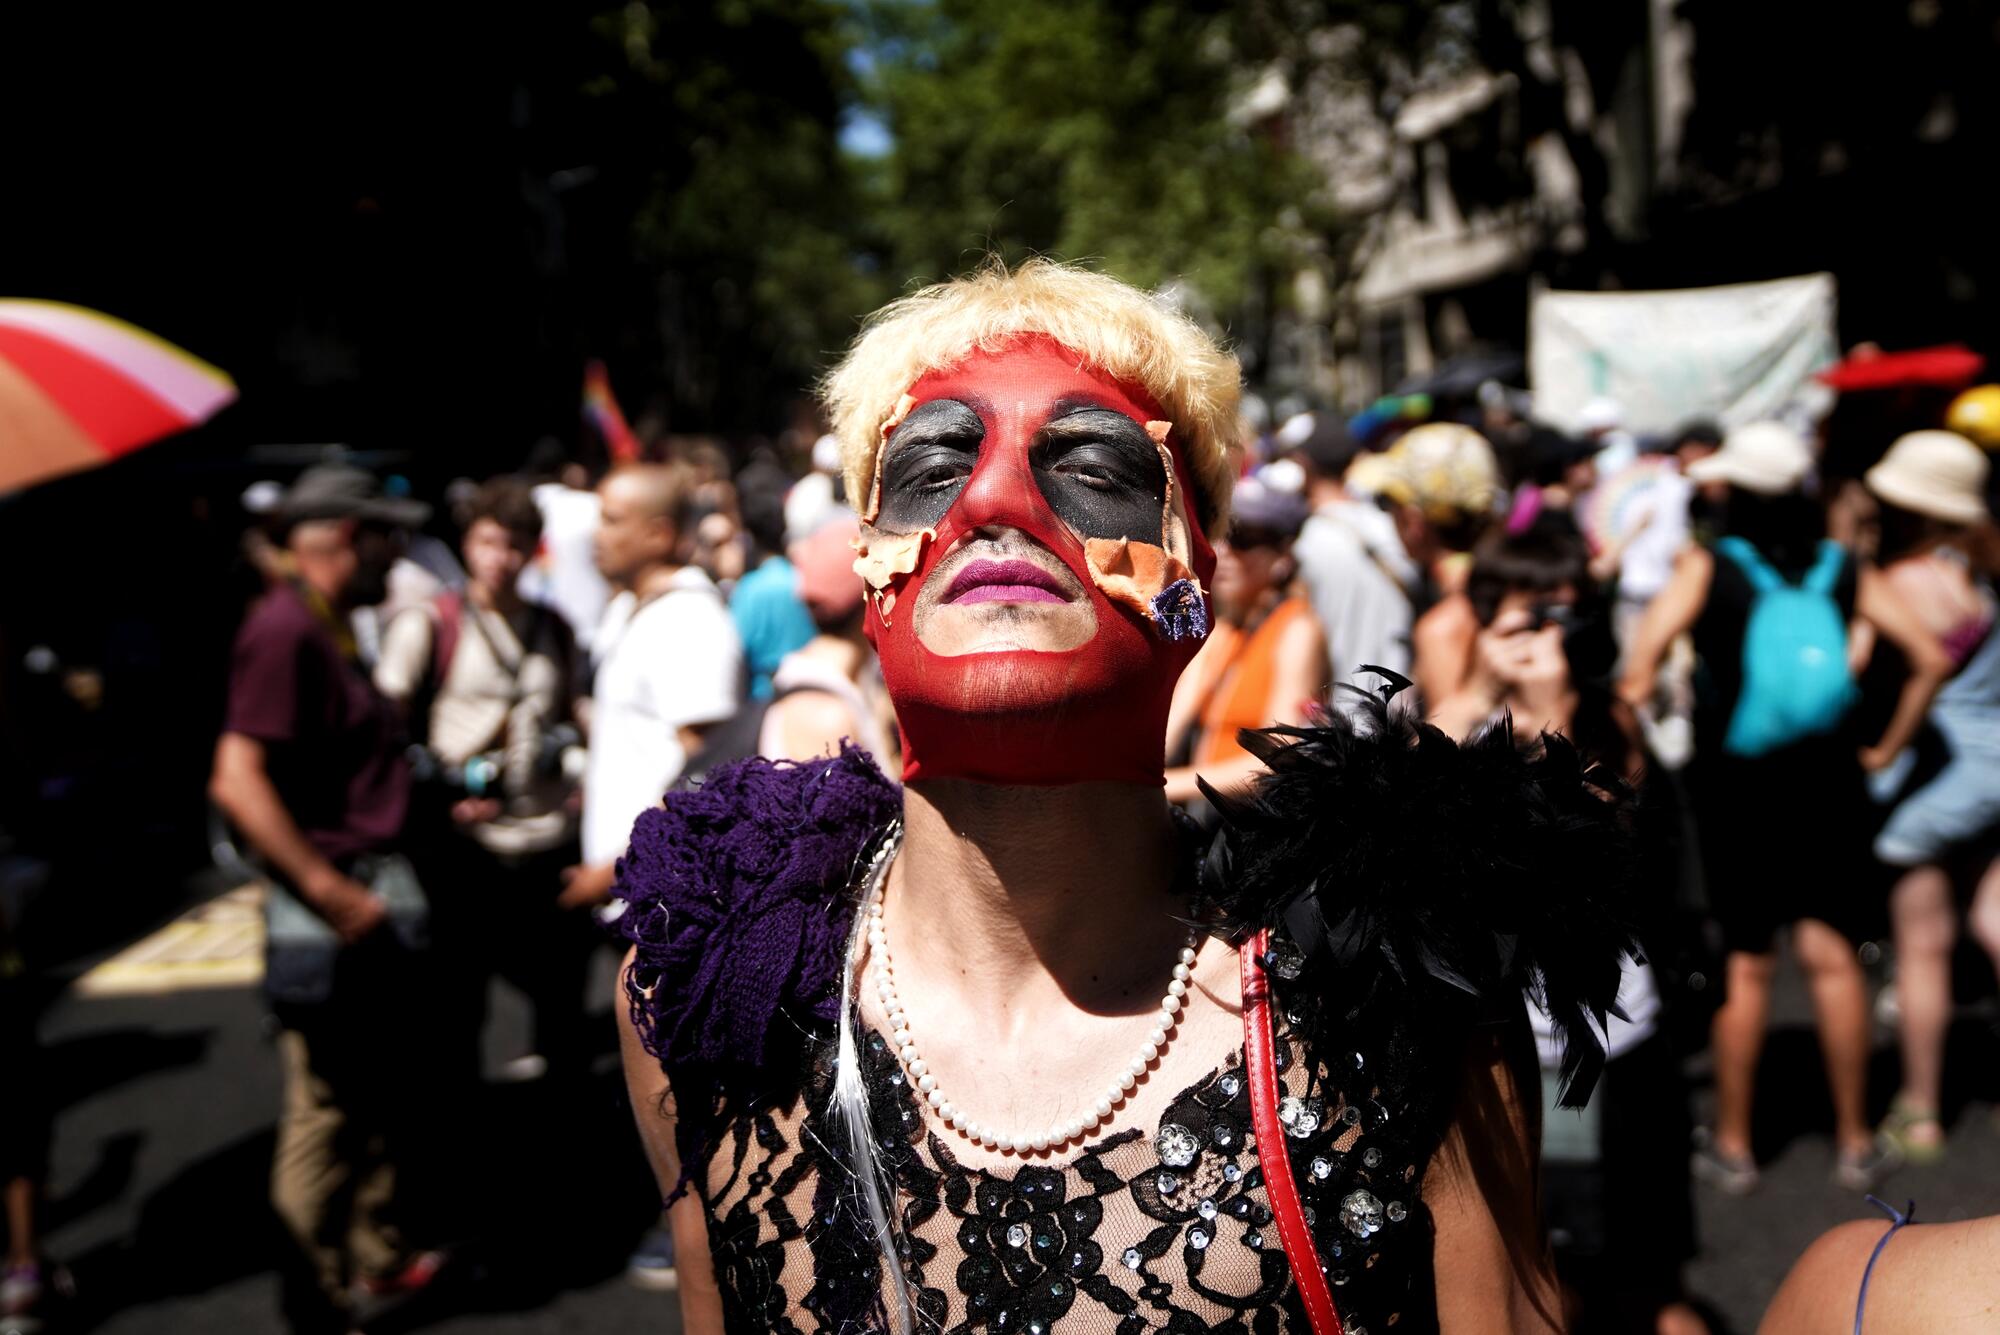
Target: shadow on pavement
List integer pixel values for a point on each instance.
(558, 1192)
(554, 1194)
(206, 1227)
(89, 1064)
(109, 1178)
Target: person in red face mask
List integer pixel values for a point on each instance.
(1055, 580)
(993, 1049)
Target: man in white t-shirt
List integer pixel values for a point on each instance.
(670, 665)
(564, 574)
(1353, 565)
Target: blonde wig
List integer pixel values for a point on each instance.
(1113, 327)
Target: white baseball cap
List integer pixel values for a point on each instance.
(1936, 473)
(1765, 457)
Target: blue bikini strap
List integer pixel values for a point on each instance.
(1906, 1215)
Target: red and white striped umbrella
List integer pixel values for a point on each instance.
(79, 388)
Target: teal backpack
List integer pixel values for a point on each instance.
(1796, 682)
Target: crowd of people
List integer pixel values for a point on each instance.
(443, 723)
(1789, 667)
(436, 759)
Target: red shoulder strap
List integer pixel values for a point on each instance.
(1261, 1068)
(449, 609)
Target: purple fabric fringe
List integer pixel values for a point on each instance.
(737, 899)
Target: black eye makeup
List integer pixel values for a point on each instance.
(1101, 473)
(930, 457)
(1096, 468)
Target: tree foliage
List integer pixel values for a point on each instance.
(1086, 129)
(719, 125)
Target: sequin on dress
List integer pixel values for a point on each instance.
(1170, 1231)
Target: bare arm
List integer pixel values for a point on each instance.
(241, 786)
(693, 736)
(1494, 1270)
(1930, 665)
(1441, 648)
(1671, 614)
(652, 1110)
(1298, 682)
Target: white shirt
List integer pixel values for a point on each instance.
(564, 573)
(1647, 562)
(1638, 997)
(1352, 562)
(663, 665)
(499, 697)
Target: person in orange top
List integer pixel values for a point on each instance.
(1264, 663)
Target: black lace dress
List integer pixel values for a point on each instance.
(1414, 889)
(1167, 1231)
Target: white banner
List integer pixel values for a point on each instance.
(1735, 354)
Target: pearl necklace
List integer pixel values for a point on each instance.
(1051, 1138)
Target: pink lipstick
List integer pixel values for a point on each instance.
(1004, 582)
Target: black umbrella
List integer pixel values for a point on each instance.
(1461, 377)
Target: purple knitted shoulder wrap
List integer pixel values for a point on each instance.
(737, 899)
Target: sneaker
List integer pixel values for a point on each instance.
(20, 1295)
(1862, 1170)
(524, 1070)
(26, 1292)
(1901, 1128)
(651, 1265)
(376, 1296)
(1730, 1174)
(415, 1276)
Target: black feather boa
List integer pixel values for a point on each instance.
(1415, 882)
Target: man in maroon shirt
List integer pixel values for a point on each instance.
(310, 769)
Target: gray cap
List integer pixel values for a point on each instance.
(342, 491)
(1259, 505)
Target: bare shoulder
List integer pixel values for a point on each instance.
(1304, 640)
(810, 724)
(1460, 713)
(1450, 618)
(1939, 1279)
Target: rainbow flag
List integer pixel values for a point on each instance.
(600, 409)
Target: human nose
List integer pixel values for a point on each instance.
(1002, 493)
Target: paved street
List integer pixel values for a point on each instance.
(163, 1145)
(1749, 1244)
(164, 1140)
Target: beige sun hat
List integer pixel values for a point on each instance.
(1445, 469)
(1936, 473)
(1765, 457)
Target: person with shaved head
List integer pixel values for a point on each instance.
(669, 664)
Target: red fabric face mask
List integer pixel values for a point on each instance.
(1037, 570)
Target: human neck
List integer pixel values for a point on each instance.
(325, 586)
(1325, 491)
(1250, 613)
(1037, 889)
(842, 650)
(505, 600)
(1546, 706)
(652, 579)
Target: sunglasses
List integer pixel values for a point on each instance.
(1562, 616)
